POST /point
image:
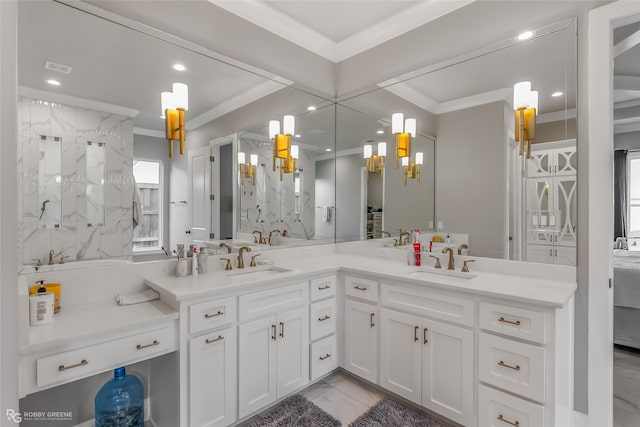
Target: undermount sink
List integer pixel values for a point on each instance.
(257, 271)
(441, 272)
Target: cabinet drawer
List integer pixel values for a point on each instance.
(426, 302)
(211, 314)
(80, 363)
(516, 322)
(323, 287)
(361, 288)
(513, 366)
(272, 301)
(497, 409)
(322, 318)
(324, 357)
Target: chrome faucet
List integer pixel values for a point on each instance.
(404, 241)
(461, 247)
(260, 238)
(450, 252)
(225, 245)
(240, 252)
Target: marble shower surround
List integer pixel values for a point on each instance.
(75, 125)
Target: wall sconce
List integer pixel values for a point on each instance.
(173, 105)
(375, 162)
(412, 171)
(247, 170)
(281, 141)
(525, 105)
(289, 164)
(404, 130)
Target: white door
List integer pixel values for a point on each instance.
(401, 354)
(199, 193)
(447, 371)
(361, 339)
(212, 379)
(256, 365)
(292, 350)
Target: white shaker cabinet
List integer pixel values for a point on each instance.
(361, 339)
(212, 364)
(429, 363)
(273, 358)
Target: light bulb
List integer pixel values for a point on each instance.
(288, 125)
(397, 120)
(274, 128)
(367, 151)
(382, 149)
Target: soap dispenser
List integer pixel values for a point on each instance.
(41, 306)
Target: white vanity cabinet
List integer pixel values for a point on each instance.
(428, 362)
(361, 325)
(273, 358)
(322, 320)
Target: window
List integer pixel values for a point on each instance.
(147, 235)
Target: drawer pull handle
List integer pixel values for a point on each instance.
(325, 357)
(140, 347)
(503, 320)
(209, 316)
(515, 368)
(281, 329)
(371, 320)
(322, 319)
(424, 336)
(273, 332)
(64, 368)
(208, 341)
(322, 288)
(504, 420)
(359, 288)
(415, 334)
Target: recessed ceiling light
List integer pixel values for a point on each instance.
(327, 149)
(380, 132)
(557, 94)
(311, 108)
(179, 67)
(524, 36)
(297, 135)
(54, 82)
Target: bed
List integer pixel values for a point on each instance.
(626, 298)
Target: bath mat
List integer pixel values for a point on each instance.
(388, 413)
(295, 411)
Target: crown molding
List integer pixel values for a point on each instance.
(149, 132)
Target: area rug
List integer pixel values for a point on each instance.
(295, 411)
(388, 413)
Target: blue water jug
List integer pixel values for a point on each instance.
(120, 402)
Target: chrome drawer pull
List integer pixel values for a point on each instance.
(503, 320)
(515, 368)
(325, 357)
(322, 319)
(140, 347)
(322, 288)
(209, 316)
(64, 368)
(208, 341)
(359, 288)
(501, 418)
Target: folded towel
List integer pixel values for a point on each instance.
(138, 297)
(326, 213)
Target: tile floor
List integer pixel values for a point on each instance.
(626, 387)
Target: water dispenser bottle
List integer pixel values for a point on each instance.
(120, 402)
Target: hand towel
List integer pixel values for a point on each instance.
(138, 297)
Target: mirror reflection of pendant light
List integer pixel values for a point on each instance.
(247, 170)
(173, 105)
(375, 162)
(289, 165)
(525, 105)
(404, 131)
(281, 141)
(412, 170)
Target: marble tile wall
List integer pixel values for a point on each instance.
(74, 237)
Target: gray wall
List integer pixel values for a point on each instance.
(347, 212)
(471, 194)
(325, 196)
(556, 131)
(626, 141)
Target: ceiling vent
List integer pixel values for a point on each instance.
(65, 69)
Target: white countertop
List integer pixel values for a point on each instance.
(544, 292)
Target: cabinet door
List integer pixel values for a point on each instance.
(361, 339)
(257, 365)
(292, 350)
(400, 354)
(212, 379)
(540, 253)
(447, 371)
(564, 255)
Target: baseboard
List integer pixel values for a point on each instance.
(580, 419)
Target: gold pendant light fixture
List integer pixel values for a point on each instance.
(283, 152)
(375, 162)
(404, 131)
(525, 105)
(247, 170)
(173, 105)
(412, 170)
